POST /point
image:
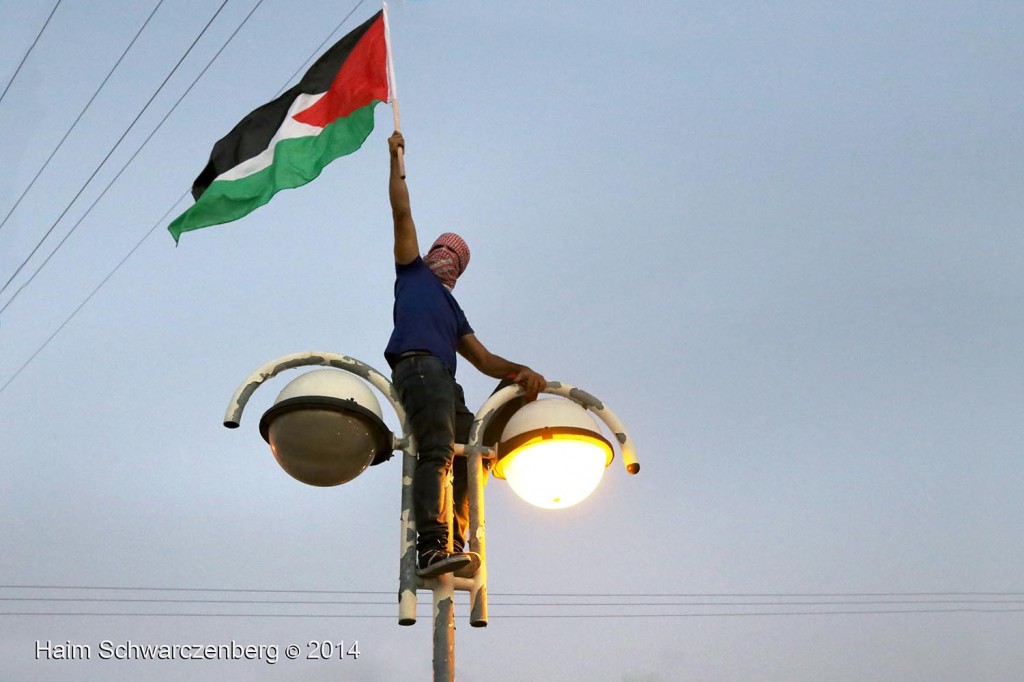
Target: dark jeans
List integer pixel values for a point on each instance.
(435, 409)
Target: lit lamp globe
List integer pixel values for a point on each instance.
(325, 428)
(552, 453)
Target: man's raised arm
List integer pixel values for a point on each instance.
(407, 248)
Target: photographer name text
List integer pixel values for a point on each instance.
(108, 650)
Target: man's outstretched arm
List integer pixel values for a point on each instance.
(407, 248)
(498, 367)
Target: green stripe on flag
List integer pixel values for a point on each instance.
(297, 161)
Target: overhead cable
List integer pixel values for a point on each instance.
(603, 616)
(97, 170)
(633, 595)
(110, 274)
(95, 201)
(767, 605)
(29, 51)
(499, 602)
(79, 118)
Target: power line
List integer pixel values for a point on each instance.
(96, 201)
(29, 51)
(116, 144)
(619, 616)
(79, 118)
(97, 170)
(85, 301)
(777, 603)
(750, 614)
(101, 195)
(638, 595)
(870, 602)
(107, 188)
(132, 158)
(766, 595)
(391, 602)
(70, 317)
(199, 615)
(187, 589)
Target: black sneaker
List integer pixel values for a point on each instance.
(470, 569)
(438, 562)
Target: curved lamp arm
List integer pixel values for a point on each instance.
(578, 396)
(233, 416)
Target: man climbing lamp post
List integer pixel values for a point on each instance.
(325, 429)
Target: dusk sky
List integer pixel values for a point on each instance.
(782, 241)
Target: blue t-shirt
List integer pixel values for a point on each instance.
(427, 316)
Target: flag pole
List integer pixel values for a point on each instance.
(392, 90)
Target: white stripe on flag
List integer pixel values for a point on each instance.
(290, 129)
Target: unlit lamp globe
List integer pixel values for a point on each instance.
(325, 428)
(552, 453)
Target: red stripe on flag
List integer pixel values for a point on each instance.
(362, 79)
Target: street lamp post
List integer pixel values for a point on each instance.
(334, 407)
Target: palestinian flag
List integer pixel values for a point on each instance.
(287, 142)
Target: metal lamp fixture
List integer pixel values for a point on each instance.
(552, 453)
(325, 428)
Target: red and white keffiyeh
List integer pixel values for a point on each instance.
(447, 258)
